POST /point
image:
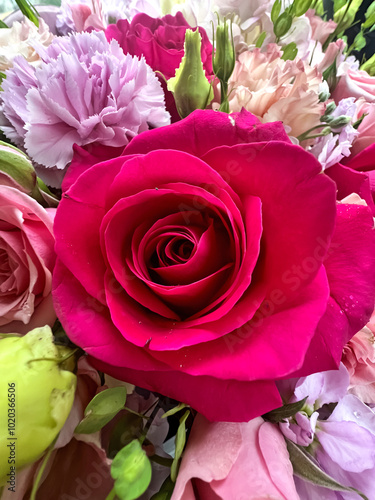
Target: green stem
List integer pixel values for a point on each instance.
(312, 137)
(302, 136)
(41, 470)
(111, 494)
(135, 413)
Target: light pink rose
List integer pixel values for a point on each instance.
(243, 461)
(355, 83)
(359, 359)
(26, 261)
(366, 129)
(320, 29)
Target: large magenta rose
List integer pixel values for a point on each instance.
(211, 260)
(161, 42)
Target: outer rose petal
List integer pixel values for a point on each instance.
(246, 461)
(351, 273)
(211, 129)
(349, 181)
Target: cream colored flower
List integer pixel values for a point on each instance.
(21, 39)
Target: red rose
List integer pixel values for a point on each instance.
(161, 42)
(208, 271)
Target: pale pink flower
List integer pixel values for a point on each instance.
(276, 90)
(354, 83)
(243, 461)
(320, 29)
(366, 130)
(19, 40)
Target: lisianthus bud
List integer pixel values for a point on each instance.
(225, 57)
(190, 86)
(340, 122)
(16, 169)
(36, 396)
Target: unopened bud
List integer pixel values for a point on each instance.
(190, 87)
(282, 24)
(37, 393)
(224, 58)
(340, 122)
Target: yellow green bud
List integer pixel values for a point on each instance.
(16, 168)
(36, 396)
(190, 86)
(225, 57)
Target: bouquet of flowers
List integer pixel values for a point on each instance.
(187, 250)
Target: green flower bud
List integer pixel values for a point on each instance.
(36, 397)
(324, 96)
(225, 57)
(282, 24)
(340, 122)
(16, 169)
(190, 86)
(300, 7)
(329, 109)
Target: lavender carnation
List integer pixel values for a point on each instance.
(86, 91)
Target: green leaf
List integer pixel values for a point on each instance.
(131, 470)
(289, 51)
(282, 24)
(359, 41)
(370, 16)
(337, 4)
(284, 412)
(174, 410)
(275, 11)
(101, 409)
(3, 25)
(180, 445)
(166, 490)
(369, 66)
(305, 466)
(346, 14)
(261, 39)
(29, 11)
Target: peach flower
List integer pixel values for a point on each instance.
(276, 90)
